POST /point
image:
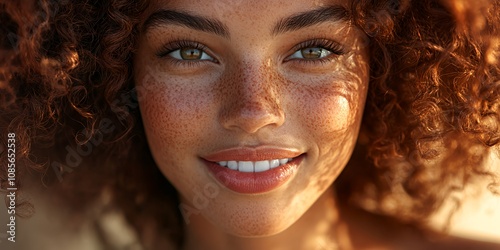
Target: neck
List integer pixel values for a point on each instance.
(316, 229)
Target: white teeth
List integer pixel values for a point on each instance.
(245, 166)
(258, 166)
(261, 166)
(232, 165)
(274, 163)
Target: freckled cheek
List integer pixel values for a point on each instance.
(174, 115)
(332, 122)
(340, 113)
(330, 114)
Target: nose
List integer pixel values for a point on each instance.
(252, 101)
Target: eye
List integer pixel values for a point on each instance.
(311, 53)
(316, 50)
(190, 54)
(185, 51)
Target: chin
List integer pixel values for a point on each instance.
(258, 231)
(257, 223)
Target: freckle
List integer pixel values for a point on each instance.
(343, 112)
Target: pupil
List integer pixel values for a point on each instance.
(190, 54)
(312, 53)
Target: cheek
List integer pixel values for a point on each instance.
(173, 113)
(330, 114)
(175, 120)
(333, 122)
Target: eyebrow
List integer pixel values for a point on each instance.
(295, 22)
(185, 19)
(310, 18)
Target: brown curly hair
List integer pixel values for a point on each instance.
(66, 88)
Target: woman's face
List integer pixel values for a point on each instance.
(251, 108)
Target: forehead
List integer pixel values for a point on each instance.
(262, 4)
(244, 9)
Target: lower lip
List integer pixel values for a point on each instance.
(254, 183)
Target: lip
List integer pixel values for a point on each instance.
(254, 182)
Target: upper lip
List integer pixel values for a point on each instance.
(260, 153)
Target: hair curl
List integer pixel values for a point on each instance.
(432, 113)
(433, 103)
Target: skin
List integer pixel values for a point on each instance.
(254, 92)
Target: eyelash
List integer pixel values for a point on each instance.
(335, 48)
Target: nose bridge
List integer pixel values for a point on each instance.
(253, 99)
(256, 84)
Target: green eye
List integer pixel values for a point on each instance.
(190, 54)
(311, 53)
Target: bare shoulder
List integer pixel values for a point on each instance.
(371, 231)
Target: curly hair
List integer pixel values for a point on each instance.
(433, 105)
(66, 88)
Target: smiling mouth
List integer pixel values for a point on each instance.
(254, 170)
(251, 177)
(254, 166)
